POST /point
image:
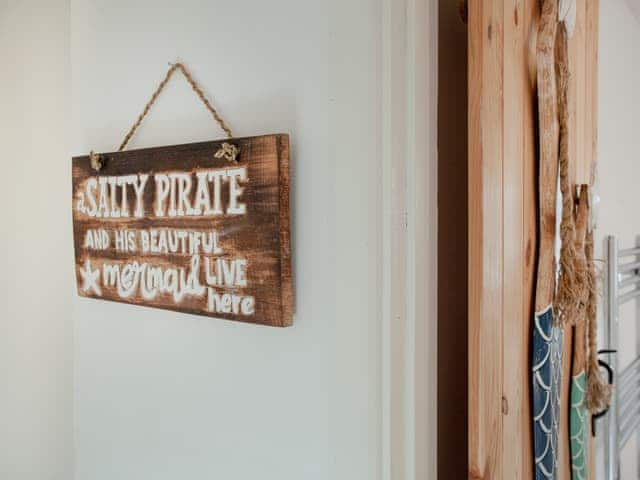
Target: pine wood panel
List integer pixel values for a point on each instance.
(502, 222)
(519, 240)
(486, 238)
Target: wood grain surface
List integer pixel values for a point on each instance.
(244, 271)
(502, 201)
(486, 260)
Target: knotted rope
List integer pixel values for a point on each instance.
(96, 160)
(228, 151)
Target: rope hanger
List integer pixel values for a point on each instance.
(227, 150)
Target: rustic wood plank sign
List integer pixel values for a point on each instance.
(188, 228)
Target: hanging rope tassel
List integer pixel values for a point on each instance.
(572, 281)
(598, 390)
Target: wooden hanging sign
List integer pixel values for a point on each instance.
(188, 228)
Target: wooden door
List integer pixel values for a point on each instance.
(502, 233)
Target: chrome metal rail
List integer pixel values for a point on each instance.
(623, 420)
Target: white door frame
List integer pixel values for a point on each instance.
(409, 248)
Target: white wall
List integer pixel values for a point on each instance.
(619, 154)
(36, 273)
(347, 392)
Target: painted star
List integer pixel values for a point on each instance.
(90, 278)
